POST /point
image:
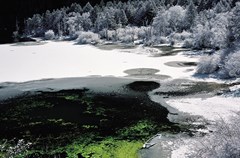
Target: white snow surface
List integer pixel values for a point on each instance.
(65, 59)
(212, 109)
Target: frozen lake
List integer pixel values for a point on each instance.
(24, 62)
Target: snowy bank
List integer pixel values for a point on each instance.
(212, 109)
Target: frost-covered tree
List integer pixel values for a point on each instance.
(140, 15)
(130, 12)
(105, 20)
(64, 22)
(175, 17)
(220, 30)
(161, 3)
(190, 15)
(123, 18)
(235, 21)
(74, 23)
(182, 2)
(86, 22)
(110, 21)
(109, 4)
(225, 5)
(100, 23)
(75, 8)
(102, 3)
(34, 25)
(87, 8)
(222, 6)
(57, 18)
(218, 8)
(47, 20)
(94, 13)
(202, 36)
(151, 11)
(160, 24)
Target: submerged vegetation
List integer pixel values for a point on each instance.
(80, 123)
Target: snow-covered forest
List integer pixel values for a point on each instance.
(198, 24)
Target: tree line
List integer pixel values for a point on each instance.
(152, 21)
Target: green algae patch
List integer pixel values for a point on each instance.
(105, 149)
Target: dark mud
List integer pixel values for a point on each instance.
(141, 71)
(180, 64)
(146, 73)
(180, 88)
(168, 51)
(143, 86)
(112, 46)
(29, 43)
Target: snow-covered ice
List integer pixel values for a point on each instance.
(64, 59)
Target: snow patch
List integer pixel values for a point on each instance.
(212, 109)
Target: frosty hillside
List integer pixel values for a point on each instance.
(107, 79)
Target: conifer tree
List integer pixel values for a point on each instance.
(190, 15)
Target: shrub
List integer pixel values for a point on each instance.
(188, 43)
(232, 65)
(108, 34)
(74, 35)
(142, 32)
(223, 142)
(127, 34)
(49, 35)
(209, 64)
(159, 40)
(88, 38)
(111, 35)
(180, 37)
(202, 37)
(225, 62)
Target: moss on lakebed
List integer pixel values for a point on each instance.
(79, 123)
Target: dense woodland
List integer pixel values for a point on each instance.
(150, 21)
(16, 11)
